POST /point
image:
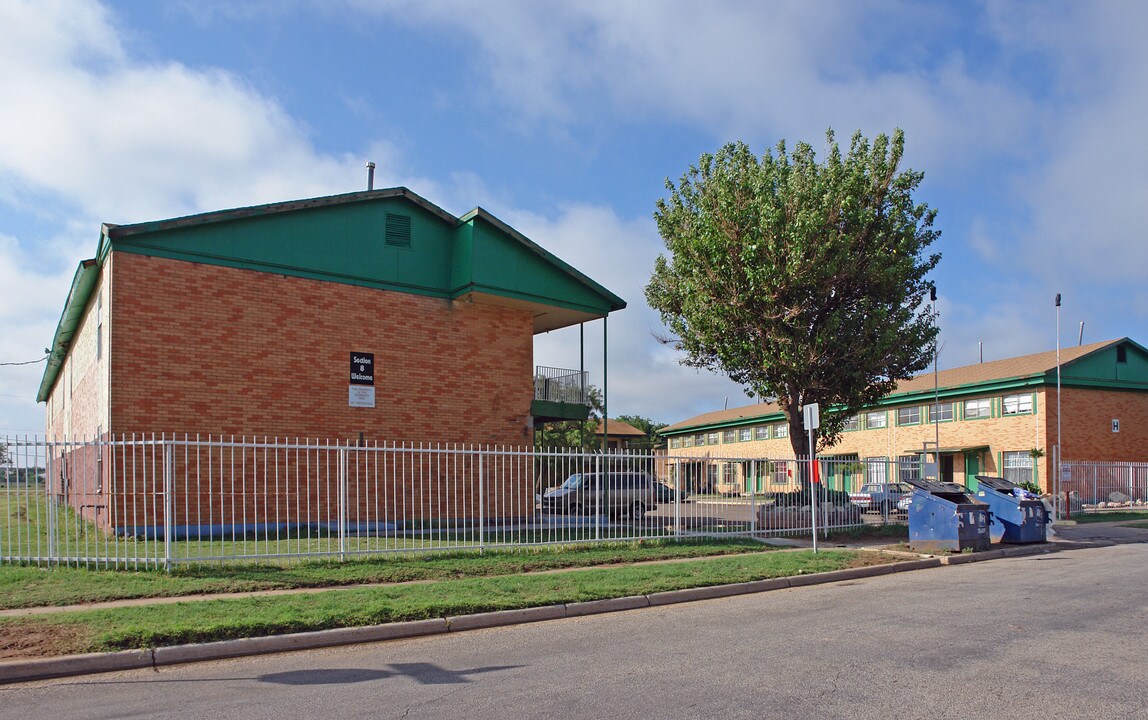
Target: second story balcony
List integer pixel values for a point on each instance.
(560, 394)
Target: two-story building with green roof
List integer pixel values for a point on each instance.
(996, 418)
(365, 317)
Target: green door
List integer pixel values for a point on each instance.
(972, 469)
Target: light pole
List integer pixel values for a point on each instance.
(936, 388)
(1056, 456)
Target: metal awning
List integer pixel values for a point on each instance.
(955, 449)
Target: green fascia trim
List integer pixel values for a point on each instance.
(597, 311)
(1099, 384)
(141, 249)
(559, 410)
(331, 277)
(614, 302)
(78, 297)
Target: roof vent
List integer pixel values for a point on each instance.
(398, 231)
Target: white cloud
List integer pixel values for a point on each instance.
(89, 133)
(645, 377)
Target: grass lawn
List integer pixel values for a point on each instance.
(30, 586)
(459, 583)
(1113, 516)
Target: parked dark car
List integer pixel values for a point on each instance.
(628, 494)
(880, 497)
(663, 493)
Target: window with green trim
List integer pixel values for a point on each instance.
(700, 439)
(781, 431)
(745, 434)
(1017, 466)
(975, 409)
(675, 442)
(940, 412)
(712, 438)
(853, 422)
(761, 432)
(1017, 404)
(688, 441)
(729, 436)
(875, 420)
(909, 415)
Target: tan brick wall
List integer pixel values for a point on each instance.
(1016, 433)
(218, 350)
(77, 405)
(1086, 430)
(209, 350)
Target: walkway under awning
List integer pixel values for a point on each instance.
(956, 449)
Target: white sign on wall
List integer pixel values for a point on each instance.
(1115, 425)
(361, 396)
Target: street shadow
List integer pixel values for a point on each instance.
(422, 673)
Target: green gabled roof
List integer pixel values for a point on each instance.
(1094, 366)
(390, 239)
(78, 295)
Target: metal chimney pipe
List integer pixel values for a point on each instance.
(370, 175)
(1080, 338)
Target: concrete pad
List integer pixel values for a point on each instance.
(716, 591)
(922, 564)
(505, 617)
(594, 607)
(830, 576)
(45, 668)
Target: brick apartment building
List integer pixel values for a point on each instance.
(366, 317)
(994, 418)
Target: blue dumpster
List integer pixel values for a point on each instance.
(942, 516)
(1017, 516)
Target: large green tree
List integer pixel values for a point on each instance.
(803, 280)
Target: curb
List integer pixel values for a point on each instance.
(92, 663)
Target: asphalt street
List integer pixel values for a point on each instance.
(1061, 635)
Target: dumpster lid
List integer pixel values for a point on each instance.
(946, 490)
(996, 483)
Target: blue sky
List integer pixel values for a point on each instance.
(564, 119)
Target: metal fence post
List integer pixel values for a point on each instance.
(168, 503)
(753, 469)
(598, 497)
(677, 499)
(481, 503)
(343, 482)
(50, 498)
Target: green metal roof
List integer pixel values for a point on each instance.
(1096, 366)
(348, 239)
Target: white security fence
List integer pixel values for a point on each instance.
(159, 501)
(1099, 486)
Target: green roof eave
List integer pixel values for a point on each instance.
(78, 296)
(953, 391)
(738, 422)
(613, 302)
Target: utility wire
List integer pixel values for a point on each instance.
(29, 362)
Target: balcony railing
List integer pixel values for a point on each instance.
(561, 385)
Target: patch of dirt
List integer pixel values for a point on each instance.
(30, 640)
(866, 559)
